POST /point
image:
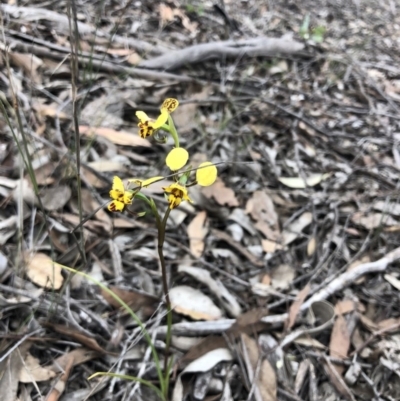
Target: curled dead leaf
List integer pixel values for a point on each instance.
(261, 208)
(44, 272)
(118, 137)
(191, 302)
(197, 231)
(300, 183)
(32, 372)
(222, 194)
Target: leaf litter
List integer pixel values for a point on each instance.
(306, 208)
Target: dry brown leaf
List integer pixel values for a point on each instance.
(130, 55)
(44, 174)
(311, 246)
(76, 335)
(121, 222)
(118, 137)
(78, 355)
(44, 272)
(295, 307)
(244, 251)
(24, 188)
(216, 287)
(373, 220)
(345, 306)
(136, 300)
(185, 115)
(282, 277)
(55, 198)
(64, 364)
(389, 324)
(299, 183)
(266, 383)
(197, 231)
(336, 379)
(9, 372)
(32, 372)
(270, 246)
(340, 341)
(266, 279)
(395, 282)
(8, 227)
(204, 364)
(310, 342)
(249, 323)
(134, 59)
(92, 179)
(222, 194)
(368, 323)
(29, 64)
(105, 166)
(191, 302)
(167, 14)
(261, 208)
(50, 110)
(296, 227)
(90, 205)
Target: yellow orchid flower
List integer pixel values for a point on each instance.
(169, 105)
(148, 126)
(120, 196)
(177, 158)
(206, 174)
(176, 194)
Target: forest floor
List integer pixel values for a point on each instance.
(284, 275)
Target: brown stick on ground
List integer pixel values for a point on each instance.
(255, 47)
(61, 21)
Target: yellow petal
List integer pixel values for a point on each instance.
(128, 198)
(115, 194)
(161, 120)
(177, 158)
(142, 116)
(118, 185)
(117, 190)
(146, 183)
(169, 105)
(116, 206)
(206, 174)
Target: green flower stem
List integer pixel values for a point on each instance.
(161, 239)
(170, 127)
(172, 131)
(161, 228)
(132, 378)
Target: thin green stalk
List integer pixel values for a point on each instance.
(160, 246)
(133, 378)
(133, 315)
(172, 131)
(74, 79)
(161, 228)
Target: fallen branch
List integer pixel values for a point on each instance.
(86, 59)
(344, 280)
(349, 277)
(256, 47)
(62, 23)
